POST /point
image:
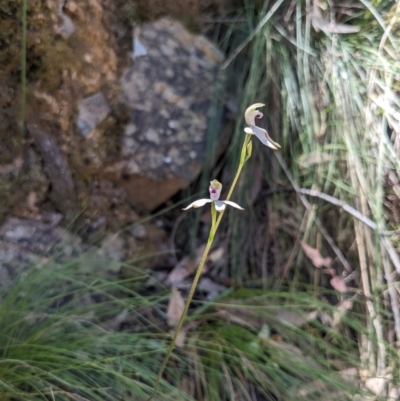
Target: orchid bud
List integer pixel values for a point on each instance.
(215, 189)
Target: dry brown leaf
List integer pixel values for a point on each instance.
(182, 270)
(340, 311)
(229, 317)
(185, 268)
(212, 288)
(315, 256)
(296, 318)
(180, 339)
(338, 284)
(217, 255)
(175, 307)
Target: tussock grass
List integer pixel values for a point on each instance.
(69, 332)
(332, 101)
(59, 336)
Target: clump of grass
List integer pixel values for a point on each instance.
(245, 346)
(60, 337)
(333, 99)
(67, 332)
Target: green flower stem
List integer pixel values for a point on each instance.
(243, 159)
(215, 222)
(185, 309)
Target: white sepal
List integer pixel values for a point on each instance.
(263, 136)
(198, 203)
(233, 204)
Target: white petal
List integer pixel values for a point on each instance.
(263, 136)
(219, 205)
(198, 203)
(248, 130)
(233, 204)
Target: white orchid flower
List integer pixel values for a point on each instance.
(215, 192)
(250, 115)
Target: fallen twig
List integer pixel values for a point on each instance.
(337, 202)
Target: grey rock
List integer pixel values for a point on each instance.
(91, 111)
(29, 245)
(139, 231)
(67, 27)
(35, 239)
(57, 168)
(138, 48)
(25, 243)
(112, 251)
(168, 91)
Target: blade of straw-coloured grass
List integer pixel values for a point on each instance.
(361, 185)
(392, 293)
(375, 318)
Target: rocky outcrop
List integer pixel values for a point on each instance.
(113, 116)
(168, 91)
(42, 243)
